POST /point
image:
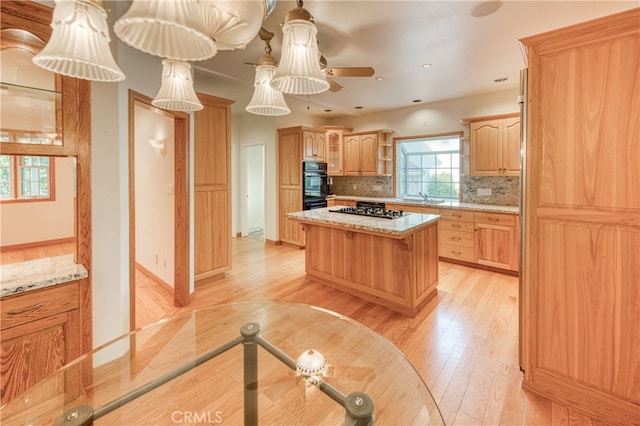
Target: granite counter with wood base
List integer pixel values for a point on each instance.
(392, 262)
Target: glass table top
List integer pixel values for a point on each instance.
(169, 369)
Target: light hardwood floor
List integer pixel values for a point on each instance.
(464, 343)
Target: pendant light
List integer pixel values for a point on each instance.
(299, 71)
(266, 100)
(79, 43)
(176, 91)
(169, 29)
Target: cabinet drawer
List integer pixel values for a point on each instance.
(37, 304)
(459, 215)
(495, 218)
(458, 238)
(456, 252)
(452, 225)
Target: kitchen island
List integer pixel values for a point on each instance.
(392, 262)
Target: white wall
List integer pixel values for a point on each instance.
(254, 186)
(154, 193)
(35, 221)
(437, 117)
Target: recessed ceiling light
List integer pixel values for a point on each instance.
(358, 107)
(426, 66)
(485, 8)
(415, 101)
(501, 79)
(379, 78)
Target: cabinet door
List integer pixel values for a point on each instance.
(486, 155)
(308, 146)
(334, 154)
(289, 155)
(290, 230)
(511, 146)
(32, 351)
(494, 246)
(352, 154)
(319, 148)
(369, 155)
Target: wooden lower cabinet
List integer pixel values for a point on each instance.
(40, 333)
(496, 242)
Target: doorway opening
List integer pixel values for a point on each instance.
(254, 223)
(158, 211)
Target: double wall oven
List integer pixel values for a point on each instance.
(315, 187)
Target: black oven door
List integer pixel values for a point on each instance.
(310, 203)
(315, 185)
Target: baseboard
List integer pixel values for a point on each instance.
(23, 246)
(479, 266)
(165, 286)
(272, 242)
(238, 234)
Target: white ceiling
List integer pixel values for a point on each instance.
(397, 37)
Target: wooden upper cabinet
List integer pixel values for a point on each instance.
(40, 109)
(352, 155)
(334, 136)
(314, 146)
(495, 146)
(362, 154)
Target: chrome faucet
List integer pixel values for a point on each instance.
(424, 196)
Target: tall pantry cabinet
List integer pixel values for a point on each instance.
(581, 277)
(212, 187)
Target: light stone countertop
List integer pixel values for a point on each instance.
(454, 205)
(395, 228)
(21, 277)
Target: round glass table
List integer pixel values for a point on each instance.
(272, 363)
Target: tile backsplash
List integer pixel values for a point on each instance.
(505, 191)
(363, 186)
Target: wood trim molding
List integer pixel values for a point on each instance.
(181, 204)
(22, 246)
(490, 117)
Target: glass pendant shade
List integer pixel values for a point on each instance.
(232, 23)
(176, 91)
(299, 71)
(266, 100)
(79, 43)
(166, 28)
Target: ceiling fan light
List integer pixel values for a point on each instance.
(176, 91)
(266, 100)
(299, 72)
(169, 29)
(79, 43)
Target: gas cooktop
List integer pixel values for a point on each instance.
(371, 212)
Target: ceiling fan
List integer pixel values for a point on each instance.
(266, 36)
(342, 72)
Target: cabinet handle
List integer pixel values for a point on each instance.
(455, 225)
(457, 253)
(456, 238)
(35, 307)
(456, 215)
(494, 219)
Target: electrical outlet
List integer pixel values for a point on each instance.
(377, 187)
(484, 192)
(170, 189)
(155, 256)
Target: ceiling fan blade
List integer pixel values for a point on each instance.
(333, 86)
(351, 71)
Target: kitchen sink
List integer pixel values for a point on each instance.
(422, 200)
